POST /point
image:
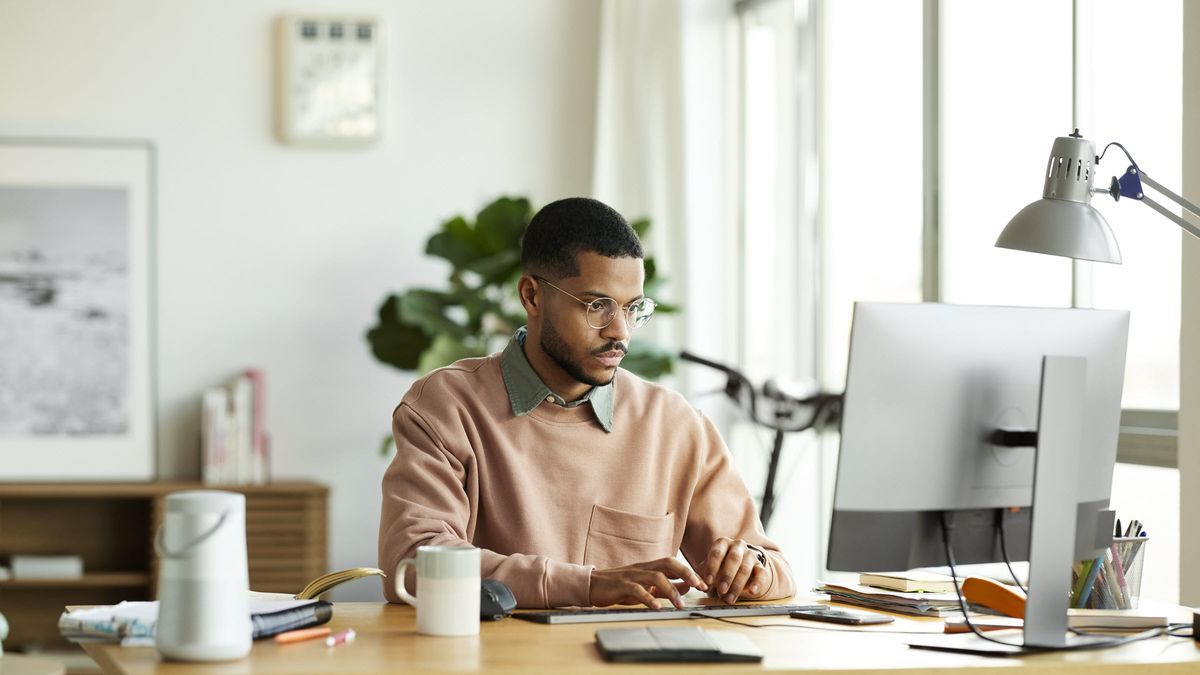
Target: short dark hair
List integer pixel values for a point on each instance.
(568, 227)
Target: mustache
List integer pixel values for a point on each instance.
(612, 347)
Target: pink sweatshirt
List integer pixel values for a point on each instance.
(550, 495)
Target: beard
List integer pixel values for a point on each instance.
(557, 349)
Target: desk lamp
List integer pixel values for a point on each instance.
(1064, 223)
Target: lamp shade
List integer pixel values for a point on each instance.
(1064, 228)
(1063, 222)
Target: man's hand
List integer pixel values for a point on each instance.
(733, 567)
(641, 582)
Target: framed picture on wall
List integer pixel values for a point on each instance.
(76, 330)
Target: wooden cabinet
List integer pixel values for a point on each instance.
(112, 526)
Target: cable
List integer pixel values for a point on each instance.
(1113, 642)
(801, 626)
(962, 604)
(1004, 551)
(1176, 630)
(1129, 156)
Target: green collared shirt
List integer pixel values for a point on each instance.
(526, 390)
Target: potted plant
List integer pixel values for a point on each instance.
(477, 312)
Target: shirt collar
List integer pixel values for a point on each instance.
(526, 390)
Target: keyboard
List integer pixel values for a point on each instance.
(648, 614)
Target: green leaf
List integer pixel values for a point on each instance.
(387, 444)
(397, 344)
(456, 242)
(427, 309)
(389, 309)
(499, 267)
(499, 225)
(648, 360)
(651, 267)
(445, 350)
(641, 226)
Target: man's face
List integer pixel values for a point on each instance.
(590, 355)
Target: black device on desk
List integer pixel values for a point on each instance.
(648, 614)
(496, 600)
(841, 616)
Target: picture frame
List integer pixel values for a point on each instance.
(77, 396)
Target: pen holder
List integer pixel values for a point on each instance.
(1112, 580)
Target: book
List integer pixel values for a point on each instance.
(46, 566)
(139, 620)
(900, 602)
(259, 466)
(234, 443)
(1079, 619)
(913, 581)
(322, 584)
(214, 426)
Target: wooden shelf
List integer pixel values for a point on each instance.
(89, 580)
(111, 526)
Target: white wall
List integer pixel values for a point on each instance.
(1189, 342)
(277, 257)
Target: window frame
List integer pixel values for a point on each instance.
(1147, 437)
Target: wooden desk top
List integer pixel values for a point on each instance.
(16, 664)
(387, 642)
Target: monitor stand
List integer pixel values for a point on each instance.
(1055, 495)
(1052, 529)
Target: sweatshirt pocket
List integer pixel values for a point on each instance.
(617, 538)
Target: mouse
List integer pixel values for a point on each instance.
(496, 601)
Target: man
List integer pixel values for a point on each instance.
(579, 480)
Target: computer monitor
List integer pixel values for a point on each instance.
(927, 388)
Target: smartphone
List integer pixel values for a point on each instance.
(841, 616)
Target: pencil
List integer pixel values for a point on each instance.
(302, 634)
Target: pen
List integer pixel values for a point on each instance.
(302, 634)
(1122, 585)
(338, 638)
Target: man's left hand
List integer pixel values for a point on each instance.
(731, 568)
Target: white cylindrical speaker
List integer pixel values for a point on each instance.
(203, 582)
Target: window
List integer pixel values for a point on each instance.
(999, 106)
(776, 254)
(997, 103)
(1002, 104)
(1137, 101)
(775, 187)
(871, 165)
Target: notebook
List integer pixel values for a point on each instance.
(914, 581)
(676, 645)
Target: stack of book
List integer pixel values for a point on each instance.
(912, 593)
(913, 604)
(234, 446)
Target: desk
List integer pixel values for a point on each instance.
(16, 664)
(388, 643)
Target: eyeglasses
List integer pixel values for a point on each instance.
(602, 311)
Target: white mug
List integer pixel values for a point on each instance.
(447, 599)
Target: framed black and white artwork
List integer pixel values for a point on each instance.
(76, 329)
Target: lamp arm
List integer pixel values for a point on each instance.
(1187, 206)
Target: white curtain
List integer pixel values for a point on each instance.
(660, 145)
(639, 155)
